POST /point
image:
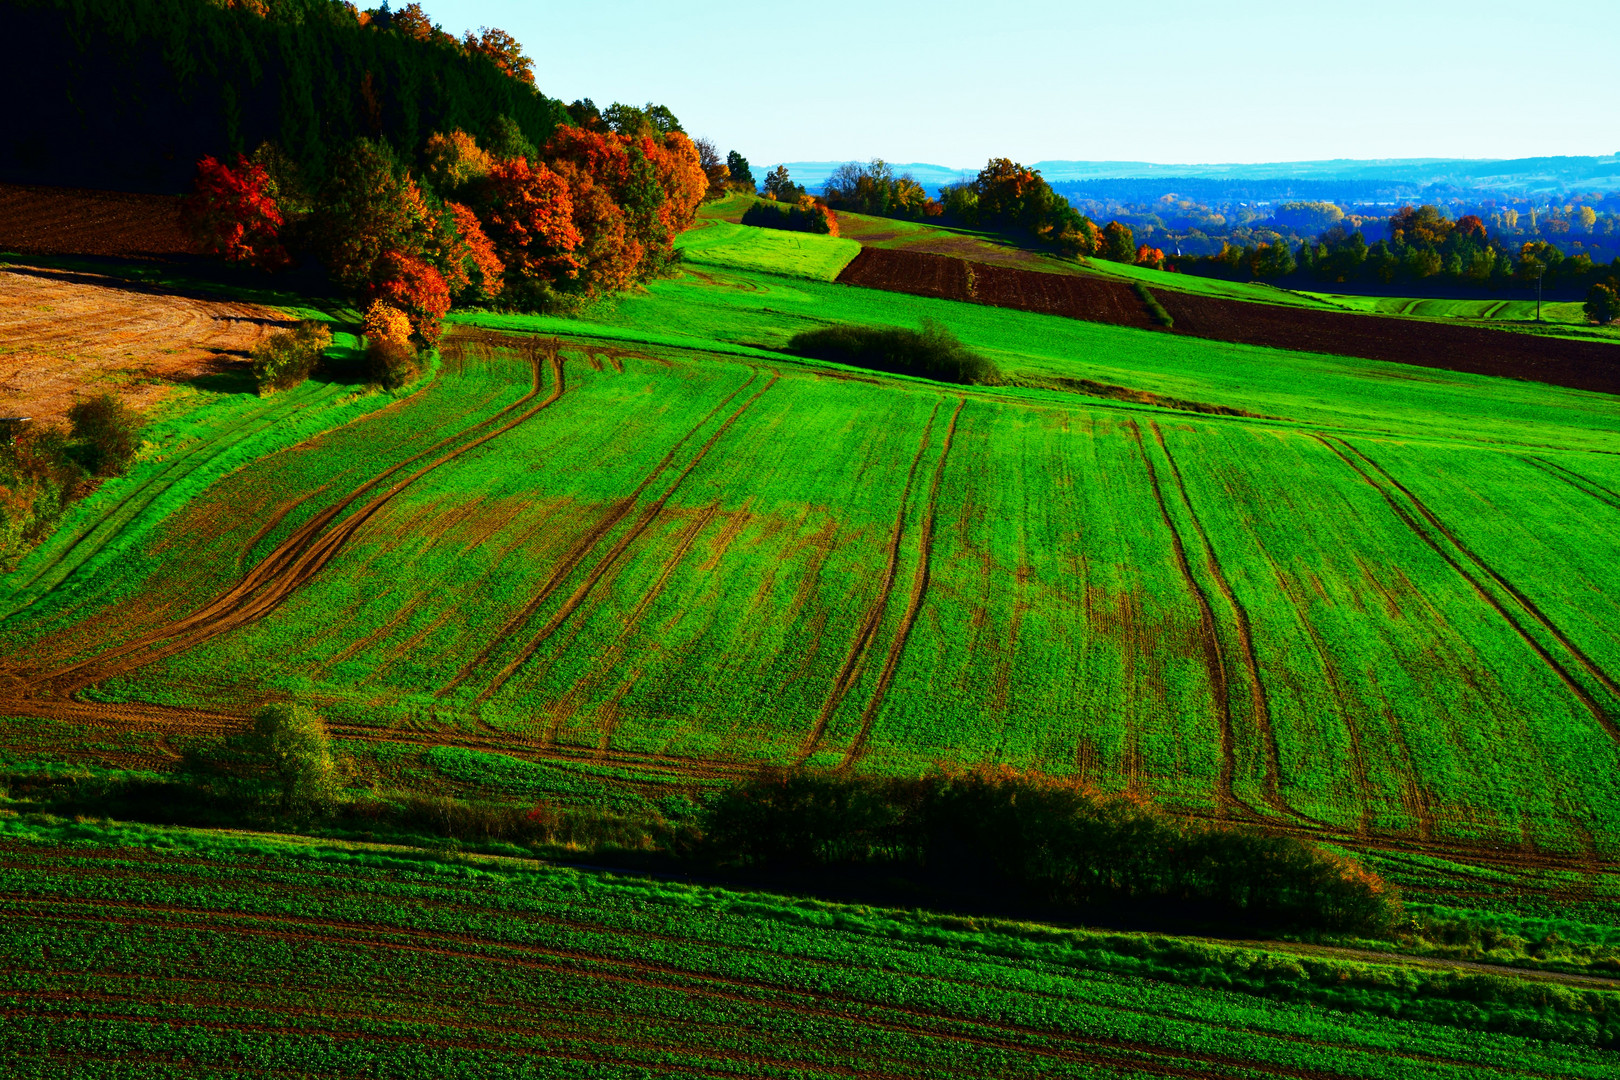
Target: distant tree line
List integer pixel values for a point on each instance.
(1424, 247)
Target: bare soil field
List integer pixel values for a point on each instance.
(74, 221)
(1479, 350)
(926, 274)
(64, 334)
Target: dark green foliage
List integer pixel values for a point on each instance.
(812, 218)
(285, 359)
(38, 481)
(741, 174)
(1151, 302)
(131, 95)
(930, 353)
(106, 435)
(504, 138)
(288, 743)
(1602, 304)
(1002, 837)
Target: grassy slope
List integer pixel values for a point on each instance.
(1403, 687)
(170, 933)
(773, 251)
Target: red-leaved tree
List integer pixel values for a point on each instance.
(472, 268)
(231, 213)
(413, 286)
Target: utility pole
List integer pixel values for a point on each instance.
(1539, 272)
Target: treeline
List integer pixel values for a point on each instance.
(1424, 247)
(1005, 196)
(129, 96)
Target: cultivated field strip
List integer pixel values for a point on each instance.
(114, 953)
(703, 563)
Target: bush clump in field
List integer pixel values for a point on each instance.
(1155, 309)
(1602, 304)
(992, 837)
(810, 215)
(106, 434)
(390, 359)
(288, 357)
(931, 353)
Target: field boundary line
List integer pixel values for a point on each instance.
(1598, 713)
(1259, 701)
(853, 660)
(585, 543)
(919, 588)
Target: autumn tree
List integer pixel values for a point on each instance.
(290, 744)
(527, 213)
(474, 269)
(451, 162)
(231, 213)
(1118, 243)
(503, 50)
(1150, 257)
(416, 287)
(715, 171)
(780, 186)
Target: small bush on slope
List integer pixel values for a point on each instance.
(931, 353)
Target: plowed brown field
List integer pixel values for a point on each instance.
(73, 221)
(63, 334)
(1580, 365)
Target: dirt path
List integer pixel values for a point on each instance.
(64, 335)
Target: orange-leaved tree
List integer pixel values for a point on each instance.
(596, 166)
(453, 161)
(503, 50)
(231, 213)
(411, 284)
(1151, 257)
(527, 213)
(472, 268)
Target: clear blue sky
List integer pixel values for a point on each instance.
(1172, 81)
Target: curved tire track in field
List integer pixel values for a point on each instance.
(1591, 666)
(298, 558)
(585, 544)
(1257, 688)
(1214, 659)
(1598, 712)
(874, 614)
(919, 588)
(1576, 481)
(648, 516)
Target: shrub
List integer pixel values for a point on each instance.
(290, 744)
(1602, 304)
(808, 216)
(931, 353)
(390, 360)
(1003, 837)
(285, 359)
(106, 434)
(1155, 309)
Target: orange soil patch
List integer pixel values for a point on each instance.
(64, 335)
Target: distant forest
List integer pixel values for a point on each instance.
(130, 95)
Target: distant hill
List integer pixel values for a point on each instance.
(1541, 174)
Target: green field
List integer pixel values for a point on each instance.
(148, 952)
(614, 561)
(773, 251)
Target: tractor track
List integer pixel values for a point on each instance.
(919, 589)
(874, 614)
(583, 546)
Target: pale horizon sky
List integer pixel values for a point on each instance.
(1181, 82)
